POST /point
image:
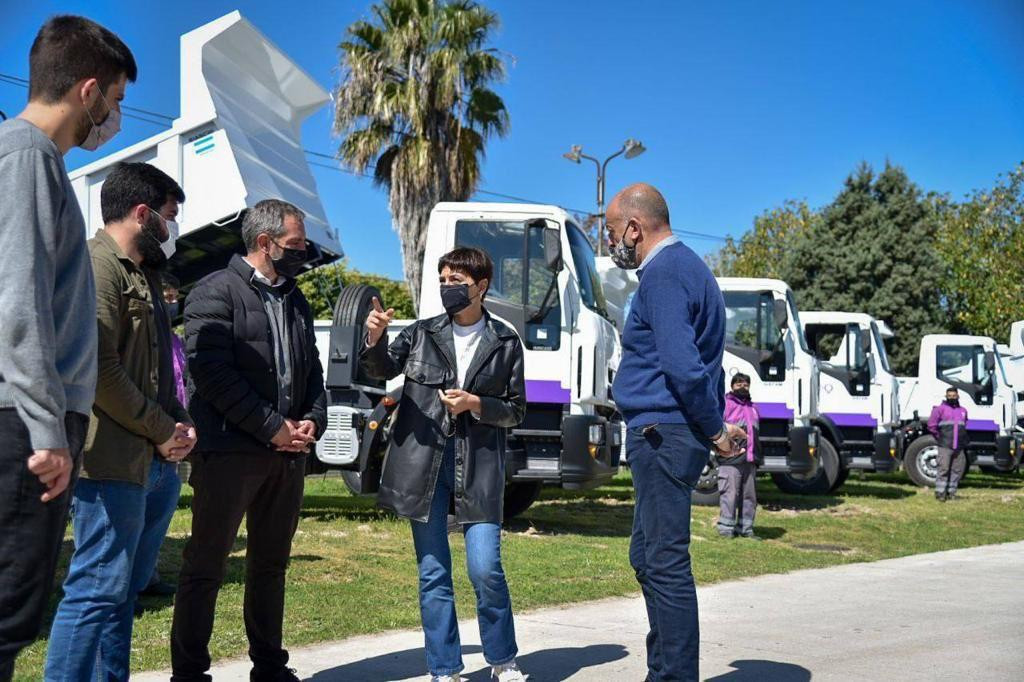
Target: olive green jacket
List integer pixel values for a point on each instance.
(126, 422)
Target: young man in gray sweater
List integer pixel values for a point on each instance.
(78, 71)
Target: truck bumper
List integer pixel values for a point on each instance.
(590, 447)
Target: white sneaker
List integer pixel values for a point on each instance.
(508, 672)
(446, 678)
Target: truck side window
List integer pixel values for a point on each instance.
(752, 334)
(964, 368)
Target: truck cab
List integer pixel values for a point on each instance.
(972, 365)
(546, 286)
(858, 405)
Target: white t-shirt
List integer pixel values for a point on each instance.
(466, 341)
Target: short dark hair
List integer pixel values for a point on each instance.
(267, 217)
(68, 49)
(131, 184)
(739, 376)
(953, 389)
(469, 261)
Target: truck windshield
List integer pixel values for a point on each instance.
(752, 334)
(964, 368)
(586, 270)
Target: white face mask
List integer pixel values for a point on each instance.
(169, 246)
(101, 134)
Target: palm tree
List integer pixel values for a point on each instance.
(414, 101)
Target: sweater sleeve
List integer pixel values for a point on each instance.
(29, 211)
(688, 379)
(933, 421)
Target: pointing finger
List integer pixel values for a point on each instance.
(376, 305)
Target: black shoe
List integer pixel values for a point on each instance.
(281, 675)
(159, 589)
(941, 497)
(727, 533)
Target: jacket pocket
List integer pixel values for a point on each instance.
(425, 373)
(493, 385)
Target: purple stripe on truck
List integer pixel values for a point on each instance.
(982, 425)
(540, 391)
(848, 419)
(774, 411)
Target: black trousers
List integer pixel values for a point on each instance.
(267, 490)
(31, 532)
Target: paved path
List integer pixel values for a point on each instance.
(956, 615)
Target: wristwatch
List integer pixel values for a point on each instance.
(722, 435)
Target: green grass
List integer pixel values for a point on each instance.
(353, 570)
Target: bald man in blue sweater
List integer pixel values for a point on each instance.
(671, 391)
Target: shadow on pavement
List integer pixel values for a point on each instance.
(756, 670)
(549, 665)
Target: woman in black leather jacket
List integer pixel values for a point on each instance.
(463, 388)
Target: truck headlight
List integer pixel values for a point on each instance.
(596, 434)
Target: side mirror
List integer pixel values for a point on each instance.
(553, 249)
(780, 314)
(865, 340)
(990, 360)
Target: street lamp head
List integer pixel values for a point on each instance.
(574, 153)
(634, 148)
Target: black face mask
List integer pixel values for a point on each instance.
(290, 263)
(147, 241)
(455, 298)
(955, 402)
(741, 393)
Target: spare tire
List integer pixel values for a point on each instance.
(351, 310)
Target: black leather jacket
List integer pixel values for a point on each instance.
(425, 353)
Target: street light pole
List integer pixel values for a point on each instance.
(632, 149)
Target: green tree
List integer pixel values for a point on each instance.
(764, 250)
(322, 286)
(415, 103)
(874, 251)
(981, 241)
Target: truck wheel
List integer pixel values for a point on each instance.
(519, 497)
(821, 482)
(843, 475)
(352, 482)
(921, 460)
(705, 493)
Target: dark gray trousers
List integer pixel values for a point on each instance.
(952, 465)
(736, 496)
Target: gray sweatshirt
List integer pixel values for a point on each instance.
(48, 325)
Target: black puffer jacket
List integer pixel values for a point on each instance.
(425, 353)
(231, 367)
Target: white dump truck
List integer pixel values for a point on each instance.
(972, 365)
(764, 339)
(547, 287)
(1012, 355)
(858, 399)
(236, 142)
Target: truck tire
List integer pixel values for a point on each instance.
(354, 304)
(519, 497)
(843, 475)
(921, 461)
(821, 482)
(705, 493)
(351, 479)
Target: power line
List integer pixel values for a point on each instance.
(141, 114)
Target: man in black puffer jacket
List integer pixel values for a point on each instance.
(257, 391)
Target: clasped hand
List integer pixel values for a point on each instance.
(457, 401)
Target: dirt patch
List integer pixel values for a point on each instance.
(831, 549)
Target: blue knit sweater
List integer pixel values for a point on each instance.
(671, 369)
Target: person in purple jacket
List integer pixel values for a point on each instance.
(948, 423)
(736, 474)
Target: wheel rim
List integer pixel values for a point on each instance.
(928, 462)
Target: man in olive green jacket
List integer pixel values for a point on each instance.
(138, 431)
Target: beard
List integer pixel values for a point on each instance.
(147, 241)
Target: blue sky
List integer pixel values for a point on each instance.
(740, 104)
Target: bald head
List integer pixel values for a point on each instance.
(644, 203)
(637, 216)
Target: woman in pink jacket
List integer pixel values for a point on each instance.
(736, 492)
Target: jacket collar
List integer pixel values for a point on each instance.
(108, 243)
(492, 337)
(239, 266)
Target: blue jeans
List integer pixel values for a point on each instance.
(118, 529)
(437, 596)
(666, 462)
